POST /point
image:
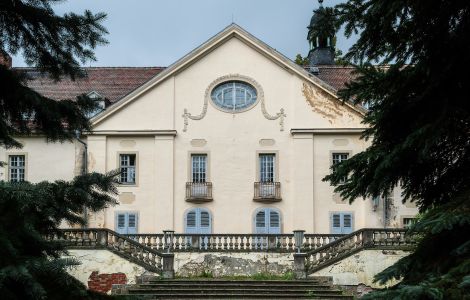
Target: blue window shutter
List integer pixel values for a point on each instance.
(335, 221)
(120, 223)
(204, 222)
(274, 222)
(191, 222)
(347, 223)
(261, 222)
(132, 221)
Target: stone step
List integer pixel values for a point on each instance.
(245, 282)
(242, 296)
(240, 290)
(232, 285)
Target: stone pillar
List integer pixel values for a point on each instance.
(168, 262)
(368, 238)
(102, 238)
(97, 151)
(303, 208)
(163, 209)
(300, 271)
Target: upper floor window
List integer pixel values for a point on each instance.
(16, 167)
(340, 157)
(198, 168)
(127, 166)
(266, 167)
(234, 96)
(100, 104)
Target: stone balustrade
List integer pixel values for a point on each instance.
(154, 252)
(233, 242)
(384, 239)
(98, 238)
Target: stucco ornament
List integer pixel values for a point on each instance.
(234, 77)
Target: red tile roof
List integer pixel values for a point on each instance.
(110, 83)
(114, 83)
(336, 76)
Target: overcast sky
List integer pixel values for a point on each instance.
(159, 32)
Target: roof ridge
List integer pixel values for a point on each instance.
(88, 68)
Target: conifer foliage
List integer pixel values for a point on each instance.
(52, 44)
(31, 267)
(419, 128)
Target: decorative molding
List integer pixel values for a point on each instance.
(235, 77)
(280, 115)
(295, 131)
(164, 132)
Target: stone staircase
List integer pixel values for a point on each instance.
(320, 288)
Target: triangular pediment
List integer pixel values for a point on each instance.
(232, 31)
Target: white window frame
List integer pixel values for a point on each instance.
(199, 167)
(16, 173)
(267, 167)
(128, 167)
(338, 157)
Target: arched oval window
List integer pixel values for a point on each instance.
(234, 96)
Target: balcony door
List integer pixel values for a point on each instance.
(267, 221)
(199, 175)
(267, 187)
(198, 221)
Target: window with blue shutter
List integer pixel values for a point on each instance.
(267, 220)
(126, 222)
(198, 221)
(341, 223)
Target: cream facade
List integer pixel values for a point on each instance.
(170, 130)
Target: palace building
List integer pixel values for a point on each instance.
(232, 138)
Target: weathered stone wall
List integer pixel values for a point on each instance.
(105, 263)
(362, 267)
(232, 264)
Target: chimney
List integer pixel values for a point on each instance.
(5, 59)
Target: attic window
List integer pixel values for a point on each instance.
(234, 96)
(100, 104)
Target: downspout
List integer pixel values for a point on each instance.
(84, 170)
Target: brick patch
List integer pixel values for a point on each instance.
(103, 282)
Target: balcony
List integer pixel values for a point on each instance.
(267, 192)
(198, 191)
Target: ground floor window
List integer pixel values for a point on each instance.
(407, 222)
(267, 220)
(198, 220)
(341, 222)
(126, 222)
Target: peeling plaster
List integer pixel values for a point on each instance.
(232, 264)
(362, 267)
(102, 261)
(329, 109)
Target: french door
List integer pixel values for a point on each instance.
(126, 222)
(267, 220)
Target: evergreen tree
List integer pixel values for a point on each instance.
(31, 267)
(419, 128)
(53, 44)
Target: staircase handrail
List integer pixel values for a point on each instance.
(99, 238)
(365, 238)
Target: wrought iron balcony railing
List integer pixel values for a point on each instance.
(267, 191)
(198, 191)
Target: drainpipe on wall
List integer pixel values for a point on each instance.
(84, 170)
